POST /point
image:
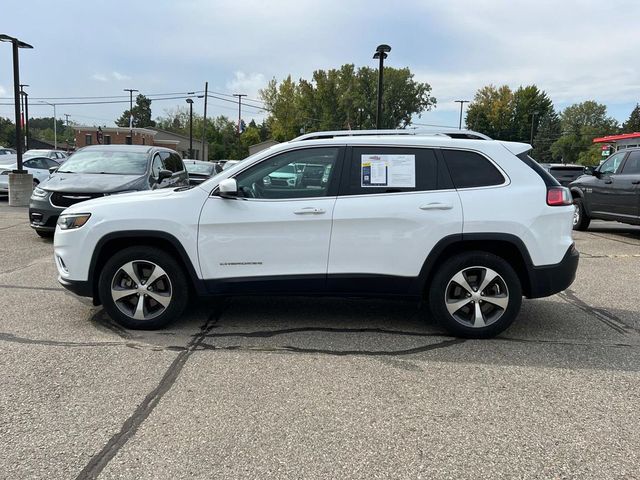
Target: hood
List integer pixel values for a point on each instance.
(92, 182)
(127, 198)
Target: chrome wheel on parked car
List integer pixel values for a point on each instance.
(477, 297)
(141, 289)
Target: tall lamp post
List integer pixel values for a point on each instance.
(461, 102)
(190, 102)
(55, 123)
(20, 183)
(25, 110)
(130, 90)
(381, 54)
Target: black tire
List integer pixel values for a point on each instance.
(581, 219)
(444, 287)
(35, 183)
(177, 287)
(44, 234)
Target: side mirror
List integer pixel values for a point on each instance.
(163, 174)
(228, 188)
(53, 169)
(589, 170)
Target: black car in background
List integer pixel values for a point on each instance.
(565, 174)
(199, 170)
(610, 192)
(100, 170)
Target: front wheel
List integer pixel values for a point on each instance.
(475, 295)
(143, 288)
(581, 219)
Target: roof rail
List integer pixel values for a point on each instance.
(445, 132)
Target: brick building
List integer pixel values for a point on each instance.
(114, 136)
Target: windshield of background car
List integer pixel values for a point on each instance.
(202, 168)
(105, 161)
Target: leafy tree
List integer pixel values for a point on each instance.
(581, 123)
(141, 114)
(7, 133)
(343, 98)
(633, 123)
(549, 131)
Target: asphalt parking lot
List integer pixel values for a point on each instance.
(319, 388)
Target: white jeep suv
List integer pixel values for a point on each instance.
(468, 224)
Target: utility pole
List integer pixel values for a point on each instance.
(190, 102)
(239, 95)
(461, 102)
(25, 96)
(130, 90)
(205, 155)
(533, 116)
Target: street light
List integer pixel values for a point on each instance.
(461, 102)
(16, 93)
(381, 54)
(55, 122)
(130, 90)
(190, 102)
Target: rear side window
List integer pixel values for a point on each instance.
(470, 169)
(632, 165)
(390, 170)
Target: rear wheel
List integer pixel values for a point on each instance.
(475, 295)
(143, 288)
(581, 219)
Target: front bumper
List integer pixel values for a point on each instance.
(80, 288)
(42, 215)
(550, 279)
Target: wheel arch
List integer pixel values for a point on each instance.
(114, 242)
(506, 246)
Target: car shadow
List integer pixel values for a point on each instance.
(549, 333)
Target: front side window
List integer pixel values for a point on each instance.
(156, 165)
(297, 174)
(612, 165)
(470, 169)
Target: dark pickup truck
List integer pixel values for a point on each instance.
(611, 192)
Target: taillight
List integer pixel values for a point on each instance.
(558, 196)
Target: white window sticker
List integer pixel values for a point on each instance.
(388, 171)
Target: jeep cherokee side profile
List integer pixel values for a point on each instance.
(468, 224)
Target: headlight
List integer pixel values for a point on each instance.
(71, 221)
(39, 193)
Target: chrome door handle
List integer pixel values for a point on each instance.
(309, 210)
(436, 206)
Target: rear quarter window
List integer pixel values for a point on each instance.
(470, 169)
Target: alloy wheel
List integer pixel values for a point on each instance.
(476, 297)
(141, 290)
(576, 215)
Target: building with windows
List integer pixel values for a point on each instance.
(85, 136)
(614, 143)
(179, 143)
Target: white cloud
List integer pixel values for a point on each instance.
(100, 77)
(249, 84)
(119, 76)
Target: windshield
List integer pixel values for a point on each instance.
(204, 168)
(105, 161)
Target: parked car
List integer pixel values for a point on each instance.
(103, 170)
(6, 151)
(230, 163)
(564, 173)
(36, 166)
(57, 155)
(610, 192)
(199, 170)
(286, 176)
(388, 222)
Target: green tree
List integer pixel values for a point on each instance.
(581, 123)
(141, 114)
(548, 133)
(343, 98)
(7, 133)
(633, 123)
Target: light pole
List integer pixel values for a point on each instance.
(26, 115)
(190, 102)
(239, 95)
(205, 156)
(130, 90)
(381, 54)
(55, 123)
(20, 183)
(533, 116)
(461, 102)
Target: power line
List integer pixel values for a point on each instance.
(108, 96)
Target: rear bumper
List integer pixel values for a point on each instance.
(550, 279)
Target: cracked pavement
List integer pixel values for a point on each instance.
(319, 388)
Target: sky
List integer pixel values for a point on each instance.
(573, 50)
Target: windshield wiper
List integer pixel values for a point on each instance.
(64, 171)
